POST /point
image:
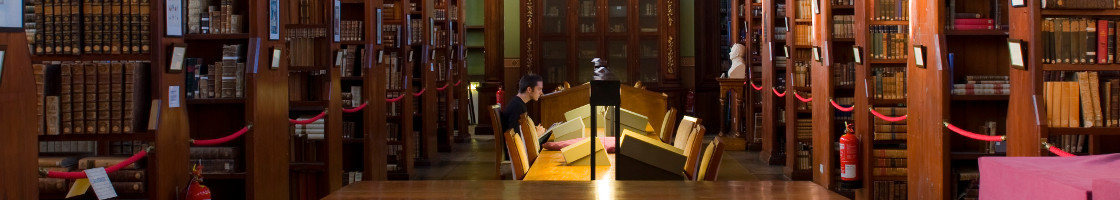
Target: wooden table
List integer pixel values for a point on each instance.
(550, 167)
(496, 189)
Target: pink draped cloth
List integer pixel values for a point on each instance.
(1050, 177)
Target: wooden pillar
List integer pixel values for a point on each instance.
(20, 146)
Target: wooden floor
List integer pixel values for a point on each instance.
(495, 189)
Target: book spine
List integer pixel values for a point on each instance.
(973, 22)
(116, 97)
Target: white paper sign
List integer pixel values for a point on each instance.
(100, 182)
(174, 10)
(173, 96)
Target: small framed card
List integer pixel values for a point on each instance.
(275, 58)
(1016, 50)
(1018, 3)
(178, 53)
(378, 37)
(337, 20)
(816, 6)
(273, 19)
(174, 10)
(817, 54)
(857, 54)
(920, 56)
(11, 15)
(786, 49)
(338, 58)
(3, 52)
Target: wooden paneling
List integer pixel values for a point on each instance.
(821, 74)
(584, 190)
(19, 147)
(929, 176)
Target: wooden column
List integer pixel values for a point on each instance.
(929, 142)
(1026, 104)
(20, 146)
(376, 144)
(822, 83)
(769, 114)
(172, 143)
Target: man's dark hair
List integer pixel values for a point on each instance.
(528, 81)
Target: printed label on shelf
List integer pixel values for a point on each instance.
(100, 182)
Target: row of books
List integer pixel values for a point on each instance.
(889, 190)
(440, 38)
(842, 2)
(129, 180)
(843, 26)
(351, 177)
(844, 74)
(802, 34)
(203, 18)
(95, 97)
(351, 30)
(307, 140)
(394, 72)
(216, 159)
(889, 41)
(1074, 99)
(888, 82)
(416, 30)
(974, 24)
(1080, 4)
(350, 129)
(983, 85)
(1071, 143)
(968, 184)
(67, 146)
(310, 12)
(222, 80)
(892, 10)
(889, 154)
(804, 9)
(303, 44)
(801, 75)
(1079, 41)
(311, 86)
(804, 129)
(352, 66)
(780, 33)
(890, 131)
(73, 27)
(804, 156)
(991, 128)
(353, 98)
(841, 115)
(389, 11)
(391, 34)
(889, 163)
(588, 8)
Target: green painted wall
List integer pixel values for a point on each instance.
(476, 13)
(475, 16)
(688, 28)
(512, 30)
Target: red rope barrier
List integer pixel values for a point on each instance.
(1056, 150)
(759, 88)
(110, 169)
(419, 93)
(444, 87)
(394, 99)
(884, 117)
(803, 99)
(221, 140)
(457, 83)
(841, 108)
(308, 121)
(783, 94)
(355, 109)
(990, 138)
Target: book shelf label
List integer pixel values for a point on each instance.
(1015, 48)
(174, 10)
(12, 19)
(100, 182)
(173, 96)
(274, 20)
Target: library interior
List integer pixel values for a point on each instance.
(536, 99)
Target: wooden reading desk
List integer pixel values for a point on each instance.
(550, 167)
(602, 189)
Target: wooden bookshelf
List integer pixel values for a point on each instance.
(1028, 125)
(800, 15)
(773, 138)
(308, 37)
(835, 42)
(740, 136)
(399, 119)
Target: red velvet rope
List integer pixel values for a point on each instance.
(457, 83)
(419, 93)
(308, 121)
(806, 100)
(1057, 151)
(110, 169)
(759, 88)
(841, 108)
(783, 94)
(221, 140)
(884, 117)
(990, 138)
(394, 99)
(444, 87)
(355, 109)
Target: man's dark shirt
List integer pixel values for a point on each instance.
(511, 113)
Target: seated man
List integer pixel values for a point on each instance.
(528, 89)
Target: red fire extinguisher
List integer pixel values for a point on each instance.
(849, 158)
(498, 95)
(195, 190)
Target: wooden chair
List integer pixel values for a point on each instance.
(529, 135)
(686, 126)
(518, 158)
(709, 165)
(692, 152)
(665, 132)
(499, 143)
